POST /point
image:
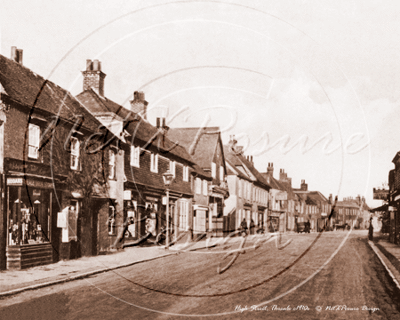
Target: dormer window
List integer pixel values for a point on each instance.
(33, 143)
(154, 163)
(221, 174)
(74, 153)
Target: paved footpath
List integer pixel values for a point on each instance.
(16, 281)
(389, 255)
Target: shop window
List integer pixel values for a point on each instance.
(135, 156)
(111, 164)
(111, 221)
(28, 221)
(74, 153)
(185, 174)
(154, 163)
(33, 144)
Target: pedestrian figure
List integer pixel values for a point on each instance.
(370, 231)
(252, 225)
(243, 226)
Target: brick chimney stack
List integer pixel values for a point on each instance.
(93, 77)
(139, 104)
(232, 142)
(16, 54)
(304, 185)
(270, 169)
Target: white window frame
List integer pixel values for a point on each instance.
(205, 188)
(213, 170)
(154, 163)
(185, 173)
(75, 145)
(111, 164)
(33, 143)
(172, 167)
(221, 174)
(197, 185)
(135, 156)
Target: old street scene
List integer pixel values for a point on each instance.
(199, 159)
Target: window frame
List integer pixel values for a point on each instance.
(172, 167)
(154, 163)
(214, 170)
(75, 153)
(33, 131)
(135, 156)
(185, 173)
(112, 165)
(205, 187)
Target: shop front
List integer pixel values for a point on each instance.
(30, 222)
(273, 221)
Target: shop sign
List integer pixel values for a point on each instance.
(62, 219)
(39, 184)
(281, 196)
(28, 167)
(36, 193)
(380, 194)
(15, 181)
(127, 194)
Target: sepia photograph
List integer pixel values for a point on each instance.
(199, 159)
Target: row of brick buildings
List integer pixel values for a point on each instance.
(82, 175)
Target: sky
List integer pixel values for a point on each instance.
(311, 86)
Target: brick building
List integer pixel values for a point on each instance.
(147, 155)
(205, 147)
(54, 192)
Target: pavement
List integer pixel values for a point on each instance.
(389, 255)
(16, 281)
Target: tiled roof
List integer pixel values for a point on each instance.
(352, 203)
(288, 188)
(275, 184)
(201, 143)
(240, 160)
(138, 128)
(311, 197)
(31, 90)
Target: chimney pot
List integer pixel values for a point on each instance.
(14, 53)
(163, 123)
(19, 56)
(158, 123)
(89, 65)
(96, 65)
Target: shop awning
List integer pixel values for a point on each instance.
(381, 208)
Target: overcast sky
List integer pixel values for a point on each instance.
(274, 73)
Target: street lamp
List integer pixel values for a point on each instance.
(168, 178)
